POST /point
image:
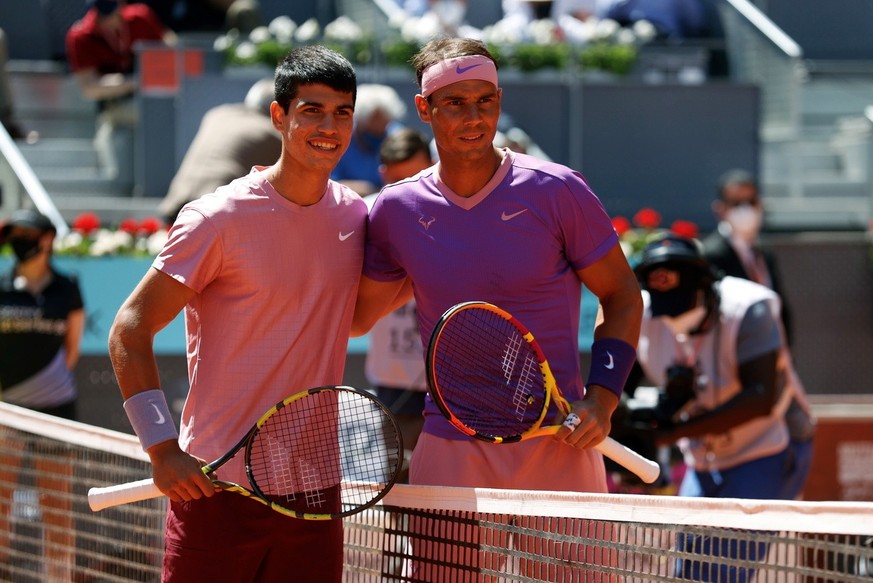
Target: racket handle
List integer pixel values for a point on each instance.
(647, 470)
(100, 498)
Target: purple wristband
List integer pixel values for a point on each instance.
(150, 417)
(611, 362)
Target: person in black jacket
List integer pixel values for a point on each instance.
(734, 249)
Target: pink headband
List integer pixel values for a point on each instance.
(451, 71)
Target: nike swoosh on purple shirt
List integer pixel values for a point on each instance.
(461, 70)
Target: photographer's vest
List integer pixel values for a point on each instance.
(718, 381)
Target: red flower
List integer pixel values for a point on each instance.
(647, 218)
(128, 225)
(621, 225)
(684, 229)
(150, 226)
(86, 223)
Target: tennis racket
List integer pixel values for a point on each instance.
(323, 453)
(490, 379)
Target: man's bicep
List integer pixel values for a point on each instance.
(156, 301)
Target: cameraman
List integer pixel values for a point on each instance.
(712, 346)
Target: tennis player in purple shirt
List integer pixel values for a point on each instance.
(490, 224)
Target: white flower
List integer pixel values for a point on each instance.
(282, 28)
(503, 33)
(576, 32)
(396, 20)
(108, 242)
(308, 31)
(223, 43)
(71, 240)
(422, 29)
(625, 36)
(260, 34)
(605, 29)
(156, 241)
(246, 51)
(344, 29)
(644, 30)
(542, 32)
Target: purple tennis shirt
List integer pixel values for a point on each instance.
(517, 243)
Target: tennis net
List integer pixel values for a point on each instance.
(48, 533)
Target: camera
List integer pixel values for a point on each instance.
(678, 390)
(637, 426)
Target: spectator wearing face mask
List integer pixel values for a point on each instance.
(734, 249)
(42, 318)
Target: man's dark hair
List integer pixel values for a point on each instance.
(440, 49)
(736, 176)
(310, 65)
(402, 145)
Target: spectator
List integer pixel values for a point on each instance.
(208, 15)
(7, 109)
(265, 270)
(42, 318)
(713, 347)
(100, 51)
(378, 112)
(395, 360)
(517, 231)
(673, 19)
(232, 139)
(735, 249)
(529, 10)
(431, 18)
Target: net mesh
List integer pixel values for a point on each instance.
(48, 533)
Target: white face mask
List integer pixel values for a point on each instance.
(745, 220)
(686, 321)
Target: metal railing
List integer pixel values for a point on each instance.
(760, 52)
(19, 186)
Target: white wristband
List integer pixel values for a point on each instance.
(150, 417)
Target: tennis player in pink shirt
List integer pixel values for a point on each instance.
(266, 270)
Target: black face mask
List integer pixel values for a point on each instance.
(25, 249)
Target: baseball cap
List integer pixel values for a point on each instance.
(27, 218)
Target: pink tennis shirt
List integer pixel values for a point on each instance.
(276, 285)
(517, 244)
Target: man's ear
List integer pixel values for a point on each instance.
(422, 106)
(277, 116)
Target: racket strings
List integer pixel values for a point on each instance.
(488, 374)
(330, 452)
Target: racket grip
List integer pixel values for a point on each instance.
(100, 498)
(647, 470)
